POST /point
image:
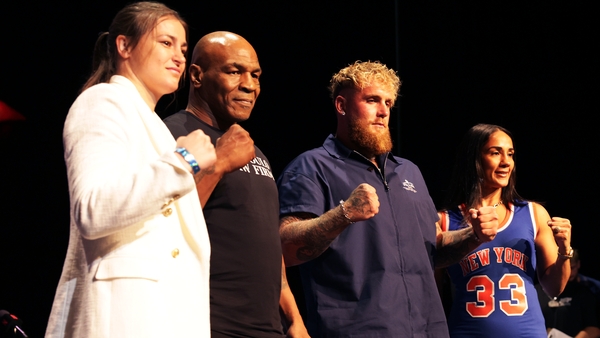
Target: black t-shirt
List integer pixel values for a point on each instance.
(572, 311)
(242, 216)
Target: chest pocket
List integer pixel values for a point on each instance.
(130, 267)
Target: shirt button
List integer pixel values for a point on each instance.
(175, 253)
(167, 212)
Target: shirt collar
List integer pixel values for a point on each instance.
(336, 149)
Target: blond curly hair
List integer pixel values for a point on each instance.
(363, 74)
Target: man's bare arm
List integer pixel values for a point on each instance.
(452, 246)
(289, 309)
(234, 149)
(305, 236)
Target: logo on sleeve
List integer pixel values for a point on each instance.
(409, 186)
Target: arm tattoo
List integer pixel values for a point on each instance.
(203, 172)
(454, 245)
(312, 236)
(358, 206)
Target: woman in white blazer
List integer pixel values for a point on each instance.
(137, 264)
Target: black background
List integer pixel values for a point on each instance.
(531, 68)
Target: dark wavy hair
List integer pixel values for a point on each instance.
(133, 21)
(467, 175)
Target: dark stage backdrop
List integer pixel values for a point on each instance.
(528, 67)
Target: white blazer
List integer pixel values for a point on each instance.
(137, 264)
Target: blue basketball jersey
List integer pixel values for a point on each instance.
(494, 285)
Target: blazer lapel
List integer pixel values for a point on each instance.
(188, 206)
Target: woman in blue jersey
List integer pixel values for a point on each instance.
(494, 284)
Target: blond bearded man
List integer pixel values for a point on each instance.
(362, 225)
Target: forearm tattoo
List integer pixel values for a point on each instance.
(453, 246)
(312, 236)
(203, 172)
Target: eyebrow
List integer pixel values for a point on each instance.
(379, 97)
(184, 44)
(500, 148)
(240, 66)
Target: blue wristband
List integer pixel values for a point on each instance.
(189, 159)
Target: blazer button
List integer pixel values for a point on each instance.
(175, 253)
(167, 212)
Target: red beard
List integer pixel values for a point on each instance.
(368, 142)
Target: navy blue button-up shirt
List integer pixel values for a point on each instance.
(376, 278)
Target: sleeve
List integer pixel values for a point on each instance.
(116, 178)
(300, 193)
(176, 125)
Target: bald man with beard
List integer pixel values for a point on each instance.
(248, 286)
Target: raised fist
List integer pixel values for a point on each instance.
(198, 144)
(363, 203)
(234, 149)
